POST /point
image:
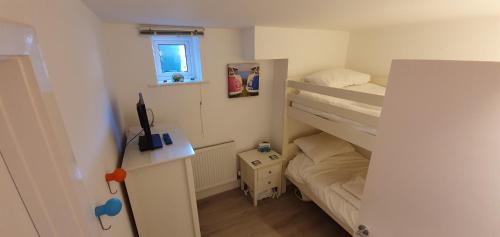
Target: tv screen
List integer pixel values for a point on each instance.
(143, 116)
(148, 141)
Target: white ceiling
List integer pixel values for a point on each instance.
(327, 14)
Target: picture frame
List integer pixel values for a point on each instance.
(243, 79)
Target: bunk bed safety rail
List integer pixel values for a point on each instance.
(362, 97)
(349, 114)
(340, 130)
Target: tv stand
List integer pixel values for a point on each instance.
(152, 142)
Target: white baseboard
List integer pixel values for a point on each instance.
(216, 190)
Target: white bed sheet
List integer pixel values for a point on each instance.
(325, 179)
(370, 88)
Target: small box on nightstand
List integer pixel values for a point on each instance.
(261, 174)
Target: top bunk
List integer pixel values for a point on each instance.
(349, 109)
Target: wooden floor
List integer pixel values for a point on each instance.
(232, 214)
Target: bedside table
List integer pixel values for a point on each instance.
(261, 174)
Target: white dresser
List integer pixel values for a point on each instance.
(160, 186)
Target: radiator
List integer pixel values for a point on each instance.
(214, 166)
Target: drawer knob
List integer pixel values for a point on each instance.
(268, 182)
(270, 172)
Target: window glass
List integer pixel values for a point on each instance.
(177, 59)
(173, 58)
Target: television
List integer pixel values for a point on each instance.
(148, 141)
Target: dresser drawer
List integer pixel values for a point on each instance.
(269, 171)
(269, 182)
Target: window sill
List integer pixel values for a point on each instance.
(178, 84)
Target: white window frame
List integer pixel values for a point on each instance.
(193, 61)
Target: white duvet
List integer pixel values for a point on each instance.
(334, 169)
(338, 169)
(355, 186)
(328, 181)
(297, 165)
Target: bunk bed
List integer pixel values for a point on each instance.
(349, 113)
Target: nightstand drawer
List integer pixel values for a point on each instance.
(269, 182)
(269, 171)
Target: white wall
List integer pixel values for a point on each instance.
(372, 50)
(244, 120)
(434, 171)
(307, 50)
(69, 36)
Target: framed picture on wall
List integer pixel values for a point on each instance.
(243, 79)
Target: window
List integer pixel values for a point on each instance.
(177, 59)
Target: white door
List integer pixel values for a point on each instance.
(42, 170)
(34, 144)
(435, 170)
(14, 218)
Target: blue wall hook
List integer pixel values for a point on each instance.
(111, 208)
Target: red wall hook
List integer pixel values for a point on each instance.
(118, 175)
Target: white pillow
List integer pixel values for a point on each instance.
(337, 77)
(322, 146)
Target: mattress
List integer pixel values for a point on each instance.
(345, 104)
(324, 181)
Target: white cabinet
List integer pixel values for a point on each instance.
(160, 187)
(261, 173)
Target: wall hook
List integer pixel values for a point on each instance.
(102, 225)
(111, 208)
(117, 175)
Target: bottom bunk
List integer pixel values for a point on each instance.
(334, 183)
